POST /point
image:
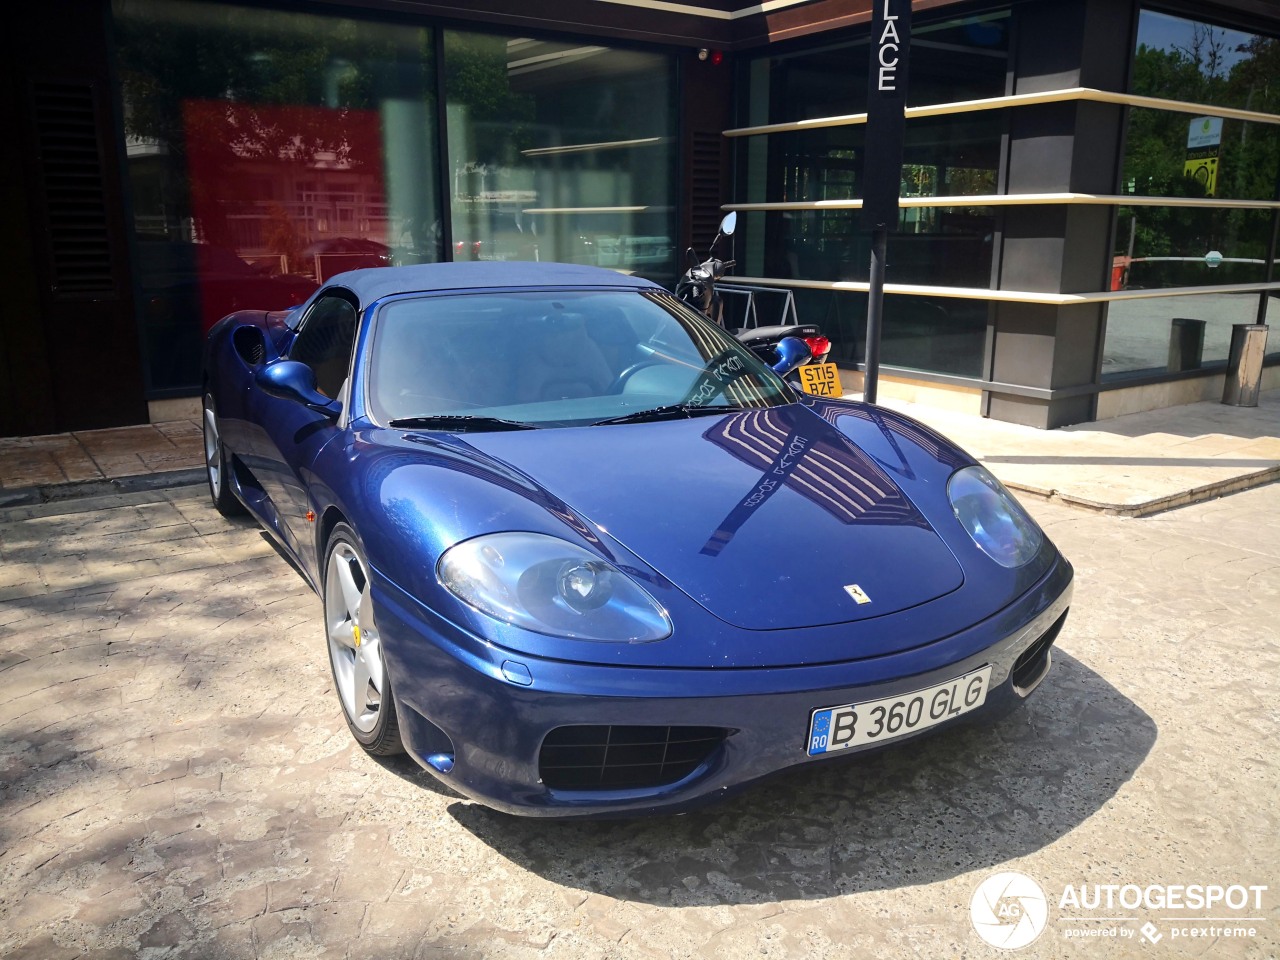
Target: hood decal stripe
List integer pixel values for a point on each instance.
(840, 479)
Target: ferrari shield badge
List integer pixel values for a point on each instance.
(859, 595)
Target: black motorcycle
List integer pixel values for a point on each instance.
(697, 289)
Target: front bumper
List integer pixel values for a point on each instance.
(489, 711)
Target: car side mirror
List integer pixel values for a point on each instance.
(292, 380)
(792, 352)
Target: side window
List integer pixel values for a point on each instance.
(325, 342)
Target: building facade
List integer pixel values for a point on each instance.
(1090, 187)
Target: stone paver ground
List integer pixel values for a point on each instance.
(100, 454)
(1136, 464)
(176, 779)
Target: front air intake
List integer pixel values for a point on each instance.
(624, 757)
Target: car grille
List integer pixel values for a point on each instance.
(1029, 668)
(624, 757)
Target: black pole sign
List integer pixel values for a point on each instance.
(886, 100)
(882, 159)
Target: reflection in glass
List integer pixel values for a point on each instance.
(935, 334)
(838, 478)
(556, 358)
(1182, 59)
(1170, 154)
(267, 151)
(943, 156)
(1172, 334)
(561, 151)
(963, 59)
(937, 246)
(1169, 247)
(1176, 154)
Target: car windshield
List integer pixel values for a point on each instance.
(555, 358)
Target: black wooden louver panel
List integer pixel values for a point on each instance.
(705, 180)
(74, 192)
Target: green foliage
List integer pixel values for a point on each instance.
(1249, 154)
(224, 90)
(498, 118)
(268, 67)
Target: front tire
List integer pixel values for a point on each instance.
(215, 462)
(355, 647)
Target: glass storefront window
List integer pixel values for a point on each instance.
(1176, 155)
(561, 151)
(933, 334)
(267, 151)
(957, 155)
(1172, 154)
(1172, 334)
(964, 59)
(1158, 247)
(1182, 59)
(937, 246)
(941, 156)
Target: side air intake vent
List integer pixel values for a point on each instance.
(250, 344)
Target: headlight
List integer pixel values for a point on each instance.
(550, 586)
(997, 523)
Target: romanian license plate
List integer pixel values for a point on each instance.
(820, 379)
(858, 724)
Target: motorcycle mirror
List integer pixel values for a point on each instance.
(729, 223)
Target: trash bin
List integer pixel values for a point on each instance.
(1186, 344)
(1244, 364)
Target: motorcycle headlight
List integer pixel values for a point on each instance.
(996, 521)
(550, 586)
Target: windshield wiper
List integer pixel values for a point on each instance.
(670, 411)
(459, 423)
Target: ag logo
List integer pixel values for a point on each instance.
(1009, 910)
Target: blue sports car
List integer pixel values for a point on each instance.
(580, 552)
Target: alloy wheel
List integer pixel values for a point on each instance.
(355, 648)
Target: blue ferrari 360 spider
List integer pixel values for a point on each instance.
(580, 552)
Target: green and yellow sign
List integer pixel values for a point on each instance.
(1204, 139)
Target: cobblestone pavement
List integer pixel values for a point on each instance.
(176, 779)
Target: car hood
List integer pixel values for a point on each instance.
(769, 519)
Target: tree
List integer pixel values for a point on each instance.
(1249, 153)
